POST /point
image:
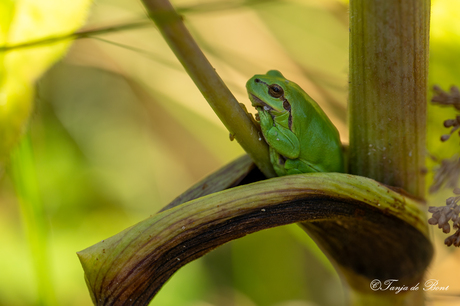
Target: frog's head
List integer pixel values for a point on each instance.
(267, 92)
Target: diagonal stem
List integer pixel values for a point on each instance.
(209, 83)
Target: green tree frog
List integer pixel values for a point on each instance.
(301, 137)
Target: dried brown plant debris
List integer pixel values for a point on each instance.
(448, 99)
(447, 174)
(444, 98)
(443, 214)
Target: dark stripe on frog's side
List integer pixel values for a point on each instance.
(290, 114)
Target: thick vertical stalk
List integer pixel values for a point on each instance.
(388, 86)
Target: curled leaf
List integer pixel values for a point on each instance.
(368, 229)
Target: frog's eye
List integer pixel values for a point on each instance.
(275, 90)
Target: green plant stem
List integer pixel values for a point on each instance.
(33, 216)
(387, 94)
(209, 83)
(387, 103)
(75, 35)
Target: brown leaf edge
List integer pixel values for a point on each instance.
(366, 228)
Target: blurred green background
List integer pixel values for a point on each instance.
(119, 130)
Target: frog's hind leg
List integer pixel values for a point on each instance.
(278, 162)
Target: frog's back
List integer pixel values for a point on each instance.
(320, 140)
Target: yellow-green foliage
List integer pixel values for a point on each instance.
(21, 22)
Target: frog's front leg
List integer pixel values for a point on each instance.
(278, 137)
